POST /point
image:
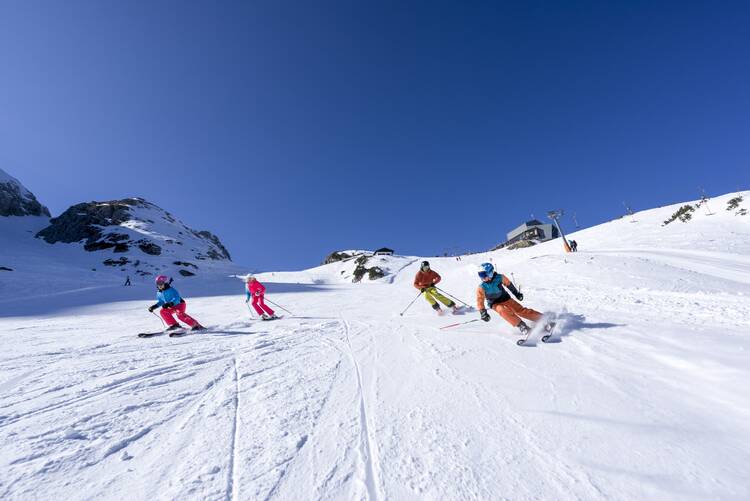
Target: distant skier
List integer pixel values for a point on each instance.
(257, 291)
(172, 305)
(127, 281)
(492, 292)
(574, 246)
(425, 281)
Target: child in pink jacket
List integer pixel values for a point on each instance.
(256, 290)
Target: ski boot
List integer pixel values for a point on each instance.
(437, 309)
(455, 308)
(548, 328)
(173, 327)
(197, 328)
(523, 328)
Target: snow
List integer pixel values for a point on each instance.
(643, 394)
(7, 178)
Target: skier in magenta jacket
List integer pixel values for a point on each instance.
(257, 291)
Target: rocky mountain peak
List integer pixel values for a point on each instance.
(16, 200)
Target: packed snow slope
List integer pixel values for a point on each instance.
(643, 395)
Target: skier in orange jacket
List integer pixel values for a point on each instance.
(425, 281)
(492, 292)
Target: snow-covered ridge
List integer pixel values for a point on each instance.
(135, 235)
(720, 225)
(349, 266)
(17, 200)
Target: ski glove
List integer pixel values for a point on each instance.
(485, 316)
(515, 292)
(423, 289)
(519, 296)
(153, 307)
(167, 305)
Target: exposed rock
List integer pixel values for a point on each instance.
(186, 273)
(361, 260)
(521, 244)
(112, 241)
(16, 200)
(149, 248)
(116, 262)
(734, 203)
(684, 214)
(361, 270)
(85, 222)
(335, 257)
(375, 273)
(222, 252)
(3, 268)
(358, 273)
(185, 263)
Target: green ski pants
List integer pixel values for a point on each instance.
(431, 294)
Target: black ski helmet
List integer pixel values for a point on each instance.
(425, 264)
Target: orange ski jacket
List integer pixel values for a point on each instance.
(492, 292)
(426, 279)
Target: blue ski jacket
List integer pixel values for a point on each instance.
(169, 295)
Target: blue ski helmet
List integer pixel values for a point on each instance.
(485, 270)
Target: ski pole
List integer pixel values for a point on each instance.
(459, 323)
(277, 304)
(161, 319)
(514, 281)
(451, 296)
(412, 302)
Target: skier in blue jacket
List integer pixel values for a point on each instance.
(172, 305)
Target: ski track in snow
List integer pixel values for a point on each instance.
(366, 448)
(233, 484)
(641, 395)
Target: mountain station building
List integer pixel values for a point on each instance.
(532, 230)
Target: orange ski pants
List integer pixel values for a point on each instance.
(512, 311)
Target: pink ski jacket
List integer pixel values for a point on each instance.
(255, 288)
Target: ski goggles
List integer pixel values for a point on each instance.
(484, 274)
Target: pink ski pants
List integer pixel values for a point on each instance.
(260, 305)
(179, 312)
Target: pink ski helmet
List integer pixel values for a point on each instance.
(161, 280)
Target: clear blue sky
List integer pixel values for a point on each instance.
(291, 129)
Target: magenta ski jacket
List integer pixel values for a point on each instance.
(255, 288)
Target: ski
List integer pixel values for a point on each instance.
(522, 342)
(150, 334)
(550, 329)
(277, 317)
(174, 333)
(547, 329)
